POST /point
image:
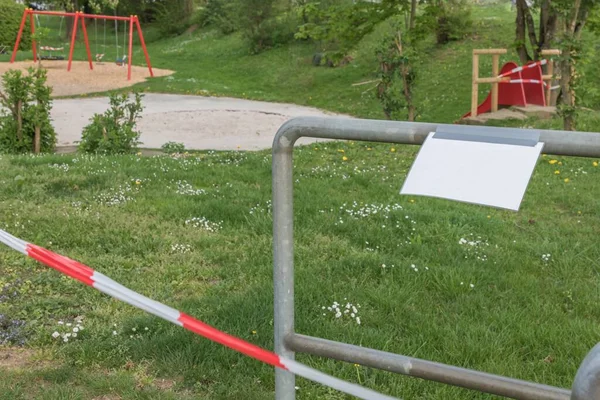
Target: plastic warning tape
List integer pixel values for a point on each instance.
(536, 81)
(106, 285)
(519, 69)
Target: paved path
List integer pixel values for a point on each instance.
(201, 123)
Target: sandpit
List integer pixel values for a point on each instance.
(81, 80)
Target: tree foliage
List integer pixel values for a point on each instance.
(114, 132)
(10, 19)
(27, 126)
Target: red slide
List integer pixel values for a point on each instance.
(516, 94)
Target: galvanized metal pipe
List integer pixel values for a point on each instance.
(568, 143)
(587, 381)
(448, 374)
(556, 142)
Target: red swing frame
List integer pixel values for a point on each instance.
(133, 20)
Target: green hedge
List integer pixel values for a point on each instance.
(10, 19)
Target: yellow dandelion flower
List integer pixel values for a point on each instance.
(340, 151)
(489, 216)
(357, 365)
(344, 158)
(595, 163)
(552, 162)
(139, 153)
(138, 182)
(369, 149)
(557, 172)
(560, 163)
(579, 212)
(316, 148)
(254, 332)
(411, 200)
(393, 149)
(567, 180)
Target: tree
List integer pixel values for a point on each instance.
(525, 28)
(574, 15)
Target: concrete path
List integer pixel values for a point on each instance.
(201, 123)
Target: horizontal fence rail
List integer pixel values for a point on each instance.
(287, 341)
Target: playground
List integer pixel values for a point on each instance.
(77, 82)
(114, 268)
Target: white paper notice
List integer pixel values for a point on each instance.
(490, 174)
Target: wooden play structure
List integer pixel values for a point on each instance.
(512, 85)
(80, 18)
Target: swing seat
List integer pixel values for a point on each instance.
(48, 48)
(51, 58)
(3, 49)
(99, 57)
(121, 61)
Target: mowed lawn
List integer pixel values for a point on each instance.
(507, 293)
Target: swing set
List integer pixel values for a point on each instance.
(47, 53)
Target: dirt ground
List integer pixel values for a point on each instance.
(80, 80)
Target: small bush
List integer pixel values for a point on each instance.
(10, 20)
(338, 28)
(264, 24)
(173, 147)
(114, 132)
(25, 124)
(218, 14)
(173, 17)
(450, 20)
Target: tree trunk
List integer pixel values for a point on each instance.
(20, 121)
(37, 140)
(413, 14)
(548, 25)
(521, 31)
(573, 26)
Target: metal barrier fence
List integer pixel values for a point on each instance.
(586, 385)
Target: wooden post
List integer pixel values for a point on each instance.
(495, 72)
(549, 77)
(475, 89)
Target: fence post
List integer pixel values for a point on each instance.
(283, 258)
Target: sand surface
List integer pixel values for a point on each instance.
(200, 123)
(81, 80)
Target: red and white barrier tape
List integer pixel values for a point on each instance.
(536, 81)
(106, 285)
(519, 69)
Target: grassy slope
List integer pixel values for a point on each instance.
(514, 321)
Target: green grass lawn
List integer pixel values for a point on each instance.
(494, 304)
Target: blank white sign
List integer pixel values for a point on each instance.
(490, 174)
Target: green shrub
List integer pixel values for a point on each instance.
(25, 126)
(218, 14)
(339, 27)
(114, 132)
(173, 147)
(450, 19)
(264, 23)
(11, 14)
(173, 17)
